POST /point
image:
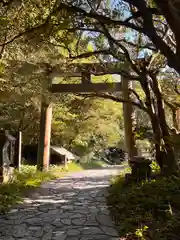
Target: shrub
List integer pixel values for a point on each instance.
(149, 210)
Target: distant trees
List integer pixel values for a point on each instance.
(123, 31)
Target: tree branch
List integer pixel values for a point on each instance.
(75, 29)
(138, 14)
(137, 96)
(126, 53)
(148, 28)
(29, 124)
(176, 88)
(90, 54)
(98, 17)
(148, 45)
(59, 45)
(170, 17)
(3, 47)
(113, 98)
(173, 110)
(31, 30)
(150, 31)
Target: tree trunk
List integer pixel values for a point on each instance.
(154, 121)
(177, 118)
(170, 165)
(176, 123)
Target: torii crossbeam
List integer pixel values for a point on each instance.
(85, 71)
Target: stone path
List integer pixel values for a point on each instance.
(72, 208)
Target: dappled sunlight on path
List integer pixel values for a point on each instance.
(71, 208)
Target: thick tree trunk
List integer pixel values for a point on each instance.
(170, 165)
(154, 121)
(157, 139)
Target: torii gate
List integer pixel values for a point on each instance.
(84, 71)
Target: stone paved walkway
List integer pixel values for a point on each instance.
(72, 208)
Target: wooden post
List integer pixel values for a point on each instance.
(19, 150)
(2, 142)
(65, 160)
(45, 135)
(129, 118)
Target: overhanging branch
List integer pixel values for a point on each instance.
(122, 47)
(90, 54)
(114, 98)
(150, 31)
(100, 18)
(138, 14)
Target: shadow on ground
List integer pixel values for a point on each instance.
(71, 208)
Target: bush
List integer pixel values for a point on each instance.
(149, 210)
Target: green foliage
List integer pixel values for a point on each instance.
(140, 232)
(86, 125)
(28, 178)
(143, 146)
(78, 123)
(155, 167)
(150, 210)
(9, 196)
(59, 171)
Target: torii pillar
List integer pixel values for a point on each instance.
(129, 119)
(45, 136)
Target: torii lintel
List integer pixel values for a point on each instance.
(84, 71)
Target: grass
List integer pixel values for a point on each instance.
(29, 178)
(76, 167)
(59, 170)
(12, 193)
(147, 211)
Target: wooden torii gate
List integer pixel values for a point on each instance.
(84, 71)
